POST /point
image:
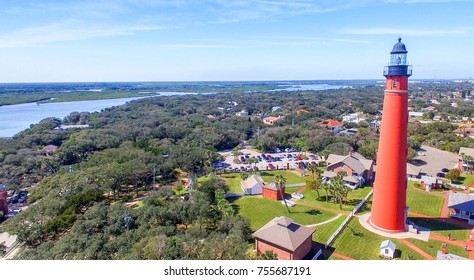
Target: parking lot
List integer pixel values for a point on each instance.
(268, 161)
(434, 160)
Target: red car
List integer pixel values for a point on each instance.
(271, 166)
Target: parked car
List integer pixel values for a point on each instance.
(242, 168)
(444, 170)
(441, 174)
(271, 166)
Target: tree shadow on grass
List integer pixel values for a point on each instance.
(313, 212)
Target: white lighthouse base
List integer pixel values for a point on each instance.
(423, 233)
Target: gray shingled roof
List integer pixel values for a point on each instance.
(281, 231)
(367, 163)
(332, 158)
(354, 161)
(461, 201)
(413, 170)
(330, 175)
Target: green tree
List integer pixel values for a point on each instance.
(453, 175)
(327, 188)
(280, 181)
(313, 185)
(252, 160)
(314, 170)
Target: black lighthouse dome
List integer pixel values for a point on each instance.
(398, 65)
(399, 47)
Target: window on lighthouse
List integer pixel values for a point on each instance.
(398, 59)
(395, 83)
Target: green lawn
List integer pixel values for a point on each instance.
(424, 202)
(433, 246)
(438, 227)
(259, 211)
(465, 179)
(360, 244)
(233, 179)
(353, 199)
(323, 232)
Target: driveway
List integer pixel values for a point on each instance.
(434, 160)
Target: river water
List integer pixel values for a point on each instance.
(16, 118)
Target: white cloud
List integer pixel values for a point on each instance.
(409, 32)
(70, 30)
(197, 46)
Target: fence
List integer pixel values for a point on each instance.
(346, 221)
(317, 255)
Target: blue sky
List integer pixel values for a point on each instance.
(188, 40)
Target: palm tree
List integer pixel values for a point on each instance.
(469, 162)
(336, 188)
(280, 181)
(327, 187)
(314, 169)
(339, 188)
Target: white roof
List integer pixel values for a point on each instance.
(252, 181)
(387, 244)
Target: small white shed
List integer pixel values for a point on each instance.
(387, 249)
(253, 185)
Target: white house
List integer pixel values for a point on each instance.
(253, 185)
(387, 249)
(354, 117)
(243, 113)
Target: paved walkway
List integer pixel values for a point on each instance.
(445, 209)
(325, 222)
(364, 221)
(416, 249)
(322, 208)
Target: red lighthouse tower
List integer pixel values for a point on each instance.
(389, 200)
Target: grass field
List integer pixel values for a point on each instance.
(433, 246)
(233, 179)
(424, 203)
(259, 211)
(465, 179)
(323, 232)
(354, 198)
(438, 227)
(360, 244)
